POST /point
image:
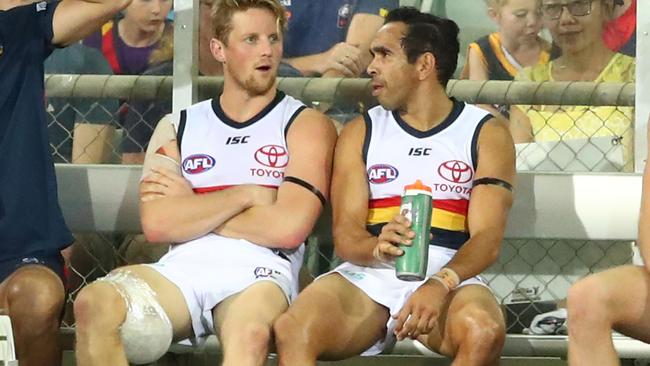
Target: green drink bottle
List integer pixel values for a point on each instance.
(416, 206)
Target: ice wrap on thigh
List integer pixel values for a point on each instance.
(147, 331)
(383, 287)
(212, 268)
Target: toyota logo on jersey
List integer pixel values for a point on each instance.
(272, 156)
(198, 163)
(382, 173)
(455, 171)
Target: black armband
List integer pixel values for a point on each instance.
(492, 181)
(308, 187)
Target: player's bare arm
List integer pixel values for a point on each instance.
(288, 221)
(170, 210)
(350, 193)
(352, 241)
(489, 203)
(76, 19)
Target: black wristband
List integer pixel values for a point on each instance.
(308, 187)
(492, 181)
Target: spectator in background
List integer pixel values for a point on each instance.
(128, 42)
(65, 114)
(620, 33)
(142, 117)
(332, 37)
(32, 229)
(577, 29)
(613, 299)
(516, 44)
(131, 43)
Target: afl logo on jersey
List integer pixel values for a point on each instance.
(455, 171)
(272, 156)
(382, 173)
(262, 272)
(198, 163)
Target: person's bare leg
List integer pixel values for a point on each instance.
(100, 310)
(331, 319)
(243, 323)
(471, 328)
(616, 298)
(33, 297)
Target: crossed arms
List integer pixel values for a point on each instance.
(172, 212)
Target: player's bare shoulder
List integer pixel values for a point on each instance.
(352, 136)
(163, 149)
(311, 125)
(495, 135)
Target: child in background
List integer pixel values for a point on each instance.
(128, 42)
(516, 44)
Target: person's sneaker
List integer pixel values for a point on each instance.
(550, 323)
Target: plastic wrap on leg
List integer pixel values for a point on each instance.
(147, 331)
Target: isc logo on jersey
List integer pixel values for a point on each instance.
(382, 173)
(198, 163)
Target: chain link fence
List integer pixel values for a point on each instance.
(101, 119)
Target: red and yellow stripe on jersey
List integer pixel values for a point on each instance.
(448, 215)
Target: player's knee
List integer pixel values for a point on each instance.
(99, 307)
(35, 294)
(484, 333)
(123, 300)
(253, 337)
(286, 330)
(587, 299)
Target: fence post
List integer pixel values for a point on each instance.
(186, 25)
(642, 84)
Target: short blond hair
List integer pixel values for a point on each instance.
(224, 10)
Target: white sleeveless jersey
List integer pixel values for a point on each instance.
(443, 158)
(217, 152)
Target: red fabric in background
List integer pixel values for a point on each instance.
(620, 30)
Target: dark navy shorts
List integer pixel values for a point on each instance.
(53, 261)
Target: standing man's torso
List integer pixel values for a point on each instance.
(30, 217)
